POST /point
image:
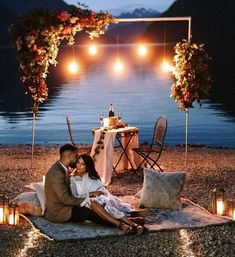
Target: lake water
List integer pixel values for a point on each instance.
(142, 93)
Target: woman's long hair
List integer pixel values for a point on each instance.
(90, 166)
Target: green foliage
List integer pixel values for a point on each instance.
(193, 79)
(37, 37)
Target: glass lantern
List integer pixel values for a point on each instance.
(231, 209)
(4, 208)
(218, 201)
(13, 218)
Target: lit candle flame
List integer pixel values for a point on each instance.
(92, 50)
(73, 67)
(11, 219)
(142, 50)
(220, 207)
(233, 214)
(1, 215)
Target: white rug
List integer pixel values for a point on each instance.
(191, 216)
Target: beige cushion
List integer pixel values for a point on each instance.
(28, 203)
(39, 187)
(162, 189)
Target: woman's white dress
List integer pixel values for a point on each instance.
(81, 186)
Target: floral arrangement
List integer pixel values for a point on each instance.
(37, 37)
(193, 80)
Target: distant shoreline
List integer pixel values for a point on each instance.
(89, 145)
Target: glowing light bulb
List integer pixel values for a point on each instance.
(118, 65)
(166, 66)
(142, 50)
(92, 50)
(73, 67)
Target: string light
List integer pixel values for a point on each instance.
(73, 67)
(118, 65)
(92, 49)
(142, 50)
(166, 67)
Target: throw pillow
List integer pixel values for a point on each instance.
(29, 204)
(162, 189)
(39, 187)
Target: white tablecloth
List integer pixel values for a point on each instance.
(104, 160)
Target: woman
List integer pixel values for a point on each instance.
(89, 181)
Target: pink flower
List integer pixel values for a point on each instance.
(73, 20)
(67, 30)
(34, 48)
(63, 16)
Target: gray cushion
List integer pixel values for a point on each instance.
(162, 189)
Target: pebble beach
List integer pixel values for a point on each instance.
(207, 168)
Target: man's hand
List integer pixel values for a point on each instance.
(72, 172)
(95, 193)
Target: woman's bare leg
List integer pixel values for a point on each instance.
(99, 210)
(123, 223)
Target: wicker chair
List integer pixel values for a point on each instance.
(152, 153)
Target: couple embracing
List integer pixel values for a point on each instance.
(80, 195)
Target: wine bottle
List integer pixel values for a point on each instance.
(111, 112)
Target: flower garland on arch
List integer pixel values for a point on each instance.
(37, 38)
(193, 79)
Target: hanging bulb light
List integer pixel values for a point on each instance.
(73, 67)
(118, 65)
(142, 50)
(166, 67)
(92, 49)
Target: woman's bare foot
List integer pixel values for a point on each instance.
(125, 228)
(138, 229)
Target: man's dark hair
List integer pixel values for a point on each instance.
(67, 148)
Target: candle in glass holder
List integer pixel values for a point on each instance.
(13, 218)
(233, 214)
(232, 209)
(220, 207)
(1, 215)
(4, 202)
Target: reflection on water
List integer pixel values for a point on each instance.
(141, 94)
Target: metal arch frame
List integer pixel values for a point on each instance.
(189, 19)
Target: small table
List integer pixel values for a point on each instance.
(127, 138)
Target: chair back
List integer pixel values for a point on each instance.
(159, 132)
(70, 130)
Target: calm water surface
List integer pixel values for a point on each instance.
(141, 94)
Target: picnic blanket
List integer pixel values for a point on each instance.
(191, 216)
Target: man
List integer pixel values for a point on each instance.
(61, 206)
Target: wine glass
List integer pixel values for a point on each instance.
(101, 118)
(119, 116)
